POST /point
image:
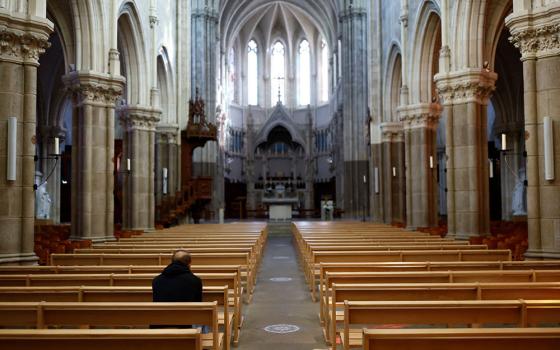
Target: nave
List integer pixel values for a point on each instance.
(325, 285)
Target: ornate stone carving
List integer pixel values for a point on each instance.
(94, 89)
(22, 46)
(543, 40)
(464, 87)
(392, 132)
(424, 115)
(136, 118)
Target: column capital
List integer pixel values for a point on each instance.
(422, 115)
(168, 132)
(536, 32)
(139, 117)
(23, 39)
(94, 88)
(464, 86)
(391, 131)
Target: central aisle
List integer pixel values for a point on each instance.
(281, 303)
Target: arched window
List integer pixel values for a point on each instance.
(324, 71)
(278, 72)
(252, 73)
(304, 58)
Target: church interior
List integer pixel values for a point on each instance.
(392, 166)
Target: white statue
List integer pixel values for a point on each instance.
(518, 205)
(42, 202)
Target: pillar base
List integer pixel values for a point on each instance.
(541, 255)
(463, 236)
(102, 239)
(18, 259)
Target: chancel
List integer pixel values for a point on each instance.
(342, 173)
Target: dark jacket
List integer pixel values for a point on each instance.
(177, 284)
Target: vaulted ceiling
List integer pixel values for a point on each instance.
(268, 20)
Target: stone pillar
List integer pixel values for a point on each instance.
(23, 39)
(167, 153)
(93, 130)
(465, 95)
(354, 30)
(204, 68)
(535, 29)
(392, 173)
(377, 204)
(420, 128)
(139, 146)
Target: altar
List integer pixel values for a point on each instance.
(280, 209)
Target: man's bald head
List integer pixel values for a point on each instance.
(182, 256)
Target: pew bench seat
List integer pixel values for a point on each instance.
(106, 339)
(463, 339)
(517, 313)
(43, 315)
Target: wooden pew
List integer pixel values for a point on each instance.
(433, 266)
(216, 294)
(491, 276)
(106, 339)
(462, 339)
(520, 313)
(43, 314)
(312, 269)
(230, 280)
(432, 291)
(240, 259)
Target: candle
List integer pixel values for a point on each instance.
(128, 164)
(376, 179)
(164, 182)
(56, 146)
(431, 162)
(394, 172)
(504, 144)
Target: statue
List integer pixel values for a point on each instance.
(42, 202)
(518, 205)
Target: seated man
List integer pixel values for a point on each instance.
(177, 283)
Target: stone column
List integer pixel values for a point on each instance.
(392, 173)
(139, 146)
(354, 30)
(204, 68)
(23, 39)
(420, 128)
(377, 204)
(535, 29)
(93, 130)
(309, 166)
(167, 152)
(465, 95)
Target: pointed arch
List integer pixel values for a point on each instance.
(165, 85)
(133, 58)
(253, 72)
(304, 72)
(425, 57)
(393, 84)
(278, 60)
